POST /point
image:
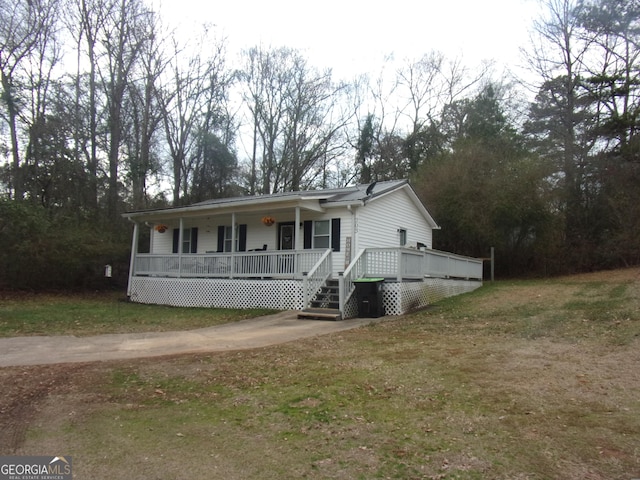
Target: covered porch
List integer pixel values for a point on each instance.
(292, 280)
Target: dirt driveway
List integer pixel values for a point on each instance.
(257, 332)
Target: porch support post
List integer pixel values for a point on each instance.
(233, 244)
(134, 253)
(305, 290)
(180, 240)
(298, 239)
(233, 232)
(297, 236)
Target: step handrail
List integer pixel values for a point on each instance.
(353, 271)
(313, 280)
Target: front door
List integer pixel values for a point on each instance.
(287, 236)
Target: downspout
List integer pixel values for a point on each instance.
(134, 252)
(354, 230)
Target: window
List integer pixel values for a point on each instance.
(241, 236)
(186, 240)
(403, 236)
(225, 234)
(321, 234)
(189, 240)
(228, 234)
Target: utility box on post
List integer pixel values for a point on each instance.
(369, 295)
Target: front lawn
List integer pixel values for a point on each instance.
(518, 380)
(100, 313)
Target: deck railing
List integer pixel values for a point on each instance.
(259, 264)
(406, 264)
(411, 264)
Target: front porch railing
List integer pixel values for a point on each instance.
(260, 264)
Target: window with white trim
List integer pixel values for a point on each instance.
(402, 233)
(228, 237)
(189, 240)
(321, 234)
(186, 240)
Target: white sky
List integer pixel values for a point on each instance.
(354, 36)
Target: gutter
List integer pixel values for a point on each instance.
(249, 205)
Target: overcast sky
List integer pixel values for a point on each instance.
(354, 36)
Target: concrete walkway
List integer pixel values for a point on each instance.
(252, 333)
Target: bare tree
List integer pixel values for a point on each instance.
(86, 22)
(314, 119)
(214, 163)
(557, 55)
(39, 75)
(187, 97)
(145, 115)
(297, 114)
(428, 87)
(23, 25)
(265, 77)
(425, 88)
(124, 39)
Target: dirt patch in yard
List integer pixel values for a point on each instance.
(25, 390)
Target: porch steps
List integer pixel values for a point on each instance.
(320, 314)
(326, 304)
(328, 296)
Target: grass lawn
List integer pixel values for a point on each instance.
(82, 315)
(518, 380)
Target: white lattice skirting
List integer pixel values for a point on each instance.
(218, 293)
(397, 297)
(402, 297)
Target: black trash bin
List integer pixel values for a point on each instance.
(369, 295)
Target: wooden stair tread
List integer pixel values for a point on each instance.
(320, 314)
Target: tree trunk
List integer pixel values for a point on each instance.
(16, 167)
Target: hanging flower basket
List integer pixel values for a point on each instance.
(160, 228)
(268, 220)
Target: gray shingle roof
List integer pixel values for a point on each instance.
(328, 197)
(337, 195)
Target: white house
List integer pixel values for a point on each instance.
(297, 251)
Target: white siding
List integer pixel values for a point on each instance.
(162, 243)
(376, 224)
(379, 221)
(346, 223)
(257, 234)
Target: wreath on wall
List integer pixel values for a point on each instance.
(268, 220)
(160, 228)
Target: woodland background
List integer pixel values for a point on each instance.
(104, 109)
